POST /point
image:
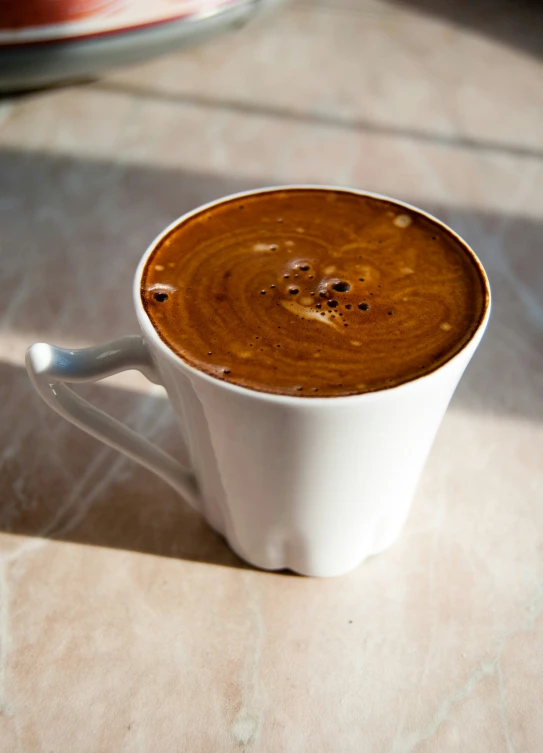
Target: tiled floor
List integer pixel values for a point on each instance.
(126, 623)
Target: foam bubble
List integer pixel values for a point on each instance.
(341, 286)
(402, 220)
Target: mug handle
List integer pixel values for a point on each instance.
(50, 367)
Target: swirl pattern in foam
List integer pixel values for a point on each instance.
(313, 292)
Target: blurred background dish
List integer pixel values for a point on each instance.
(15, 14)
(44, 42)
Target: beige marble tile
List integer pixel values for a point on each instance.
(126, 624)
(387, 70)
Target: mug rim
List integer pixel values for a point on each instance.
(151, 335)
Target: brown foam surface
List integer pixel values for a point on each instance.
(313, 292)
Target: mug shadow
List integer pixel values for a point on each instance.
(59, 483)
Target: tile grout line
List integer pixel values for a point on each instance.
(309, 118)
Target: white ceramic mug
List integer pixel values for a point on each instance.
(315, 485)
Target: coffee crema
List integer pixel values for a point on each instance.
(313, 292)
